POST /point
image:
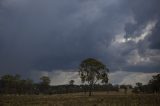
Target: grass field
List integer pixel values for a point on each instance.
(98, 99)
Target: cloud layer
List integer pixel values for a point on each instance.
(59, 34)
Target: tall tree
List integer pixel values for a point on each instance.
(92, 70)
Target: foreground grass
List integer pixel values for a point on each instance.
(81, 100)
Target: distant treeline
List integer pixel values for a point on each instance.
(153, 86)
(14, 84)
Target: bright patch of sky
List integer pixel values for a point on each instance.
(144, 33)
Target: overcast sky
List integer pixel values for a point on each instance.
(50, 35)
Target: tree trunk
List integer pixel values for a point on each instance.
(85, 89)
(90, 90)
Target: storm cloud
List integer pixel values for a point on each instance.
(58, 34)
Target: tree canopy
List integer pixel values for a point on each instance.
(92, 70)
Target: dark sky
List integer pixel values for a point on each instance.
(58, 34)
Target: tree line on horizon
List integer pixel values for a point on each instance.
(90, 71)
(13, 84)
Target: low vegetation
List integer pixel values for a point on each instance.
(81, 100)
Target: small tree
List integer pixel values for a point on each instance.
(155, 83)
(44, 84)
(71, 86)
(45, 80)
(125, 87)
(71, 82)
(92, 70)
(10, 84)
(139, 86)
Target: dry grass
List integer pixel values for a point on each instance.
(79, 99)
